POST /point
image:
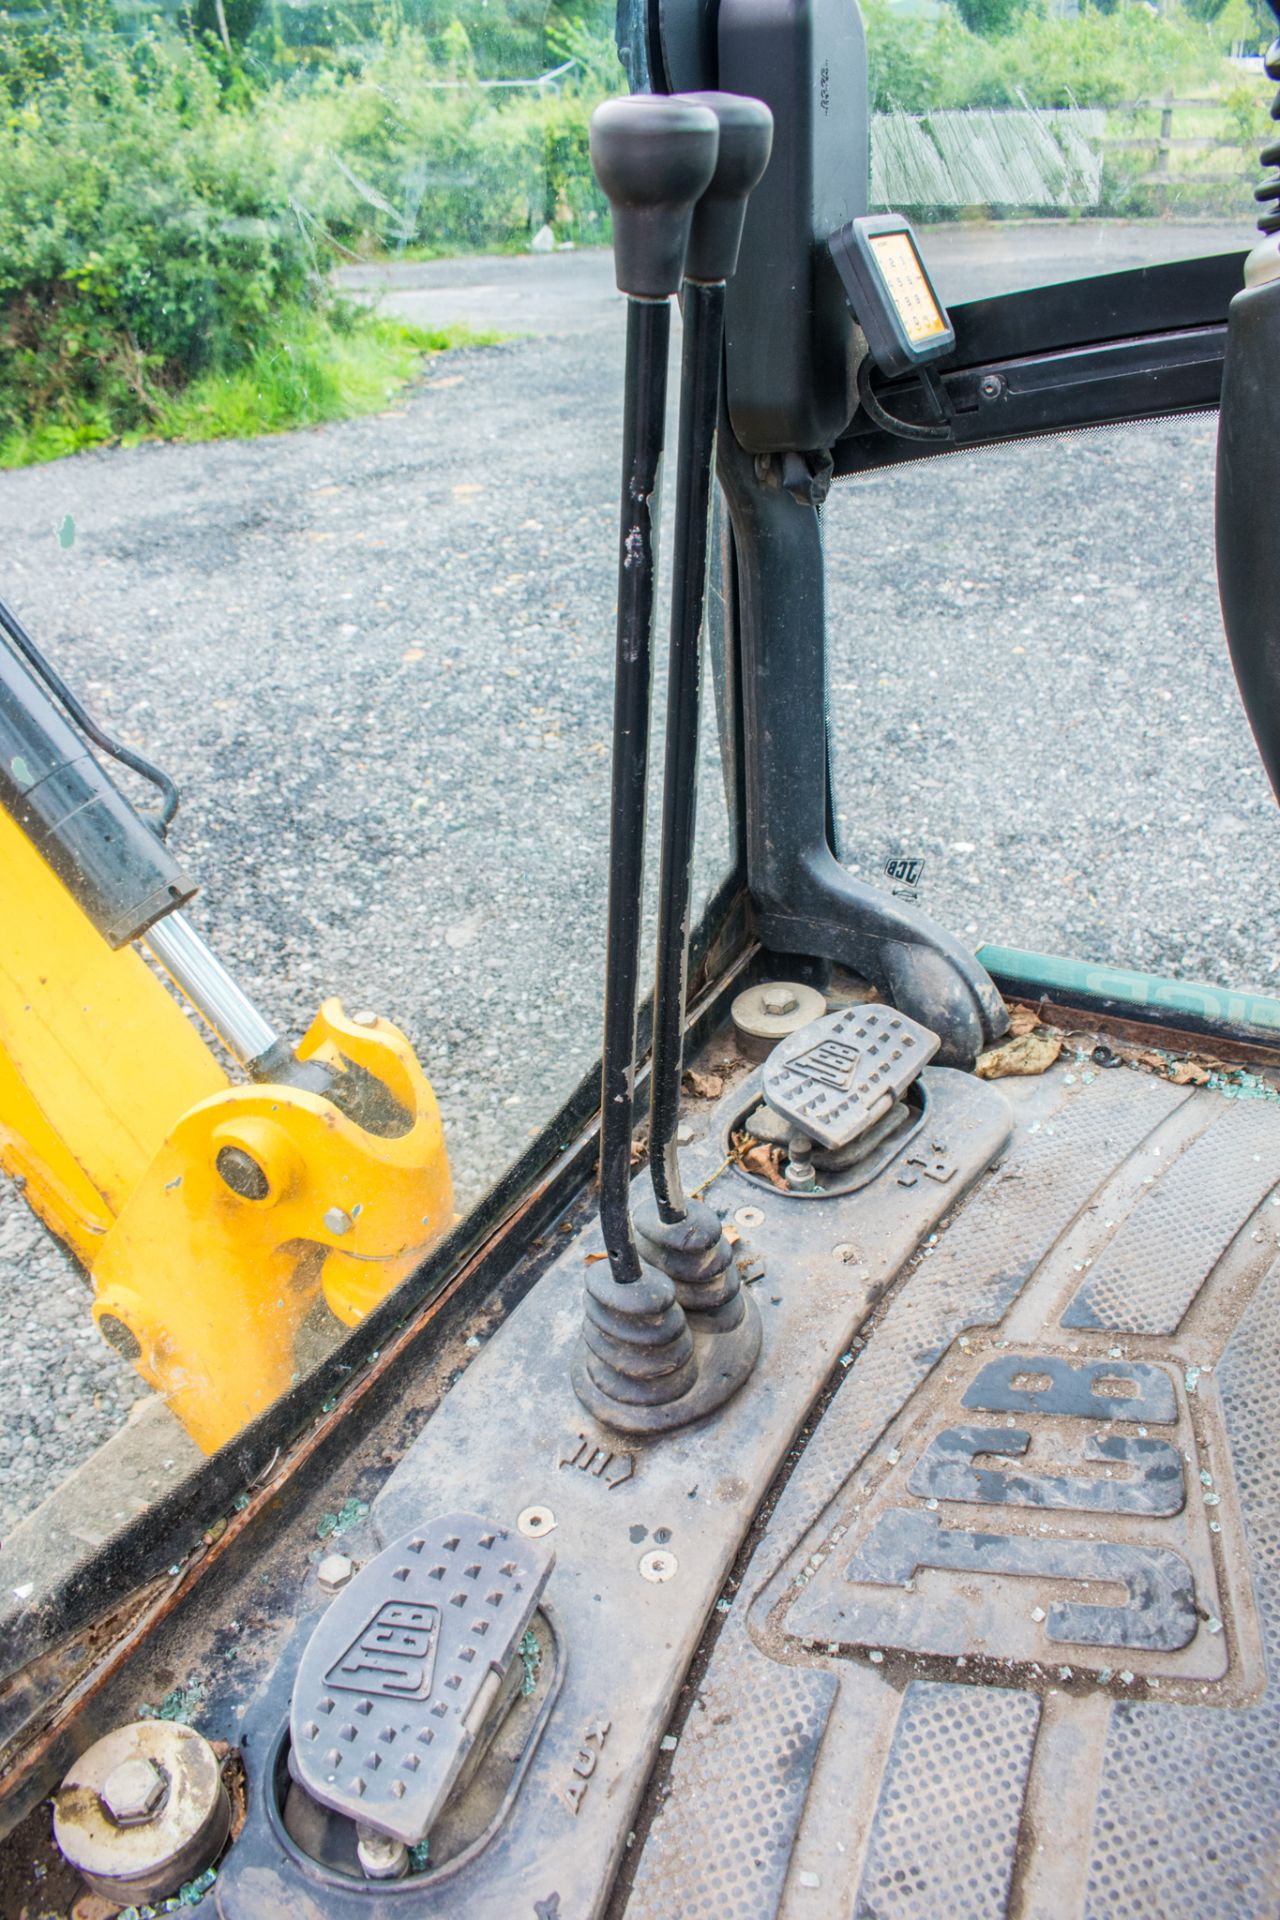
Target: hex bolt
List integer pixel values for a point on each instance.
(380, 1855)
(766, 1013)
(133, 1792)
(337, 1221)
(779, 1000)
(142, 1812)
(364, 1018)
(335, 1571)
(798, 1173)
(991, 386)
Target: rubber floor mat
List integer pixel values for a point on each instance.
(1004, 1646)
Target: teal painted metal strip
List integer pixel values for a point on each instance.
(1049, 971)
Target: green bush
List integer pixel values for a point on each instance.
(410, 152)
(168, 214)
(1095, 60)
(169, 211)
(146, 231)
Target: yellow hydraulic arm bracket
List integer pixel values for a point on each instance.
(223, 1225)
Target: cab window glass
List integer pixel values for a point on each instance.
(992, 111)
(310, 429)
(1036, 730)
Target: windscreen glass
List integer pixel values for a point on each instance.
(1036, 730)
(1123, 134)
(310, 427)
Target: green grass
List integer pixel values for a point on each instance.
(314, 368)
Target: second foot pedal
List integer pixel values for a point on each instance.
(837, 1077)
(406, 1671)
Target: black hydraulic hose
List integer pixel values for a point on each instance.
(699, 405)
(156, 776)
(645, 405)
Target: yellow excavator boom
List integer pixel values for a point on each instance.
(216, 1220)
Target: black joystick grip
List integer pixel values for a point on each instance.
(746, 138)
(654, 156)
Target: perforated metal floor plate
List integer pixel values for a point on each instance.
(842, 1073)
(1019, 1544)
(1148, 1276)
(398, 1677)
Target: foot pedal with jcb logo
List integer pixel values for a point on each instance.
(835, 1078)
(408, 1668)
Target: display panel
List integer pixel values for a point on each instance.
(908, 286)
(890, 294)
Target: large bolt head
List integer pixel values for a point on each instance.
(142, 1811)
(133, 1792)
(778, 1000)
(335, 1571)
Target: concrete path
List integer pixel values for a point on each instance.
(573, 292)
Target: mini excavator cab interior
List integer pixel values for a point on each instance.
(822, 1477)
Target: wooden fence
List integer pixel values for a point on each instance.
(1166, 143)
(1056, 160)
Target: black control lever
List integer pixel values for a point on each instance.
(684, 1237)
(654, 157)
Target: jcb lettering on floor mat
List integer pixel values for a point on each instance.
(1098, 1548)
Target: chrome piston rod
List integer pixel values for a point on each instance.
(202, 979)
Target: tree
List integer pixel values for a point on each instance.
(990, 18)
(228, 21)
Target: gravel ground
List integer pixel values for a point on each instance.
(377, 658)
(64, 1390)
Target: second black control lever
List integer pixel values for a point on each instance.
(680, 1235)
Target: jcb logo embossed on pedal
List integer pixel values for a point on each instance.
(395, 1653)
(833, 1062)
